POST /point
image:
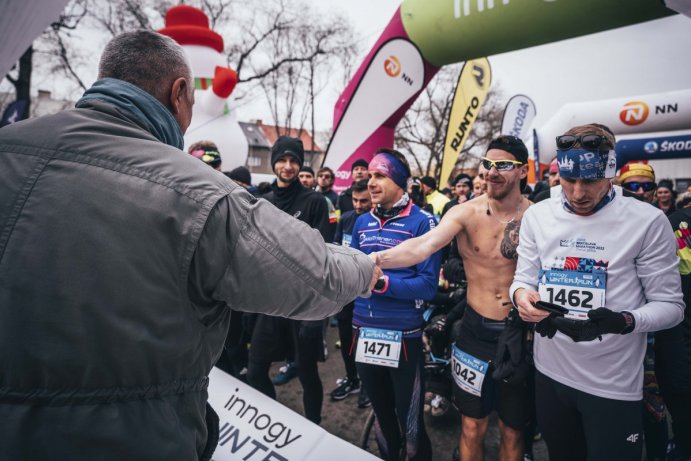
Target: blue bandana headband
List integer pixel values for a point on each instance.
(389, 166)
(586, 164)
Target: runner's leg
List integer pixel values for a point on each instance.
(559, 420)
(377, 382)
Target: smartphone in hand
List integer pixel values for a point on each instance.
(551, 308)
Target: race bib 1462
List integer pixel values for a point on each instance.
(577, 291)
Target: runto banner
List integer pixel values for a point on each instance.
(471, 91)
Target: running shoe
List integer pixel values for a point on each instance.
(345, 388)
(285, 374)
(363, 400)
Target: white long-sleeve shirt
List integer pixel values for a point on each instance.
(633, 243)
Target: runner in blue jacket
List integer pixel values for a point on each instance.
(388, 351)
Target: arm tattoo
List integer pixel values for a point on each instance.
(510, 241)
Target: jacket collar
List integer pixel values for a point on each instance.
(142, 108)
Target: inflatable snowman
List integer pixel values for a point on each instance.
(213, 117)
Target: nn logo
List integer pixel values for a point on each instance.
(634, 113)
(392, 66)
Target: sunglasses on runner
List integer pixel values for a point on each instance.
(635, 185)
(588, 141)
(500, 165)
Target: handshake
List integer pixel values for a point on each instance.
(549, 318)
(378, 281)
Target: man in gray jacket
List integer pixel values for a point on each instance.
(121, 258)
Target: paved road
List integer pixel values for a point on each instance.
(344, 419)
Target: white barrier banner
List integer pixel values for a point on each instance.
(518, 117)
(254, 427)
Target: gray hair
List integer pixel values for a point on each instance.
(145, 59)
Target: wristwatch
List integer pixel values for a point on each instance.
(630, 323)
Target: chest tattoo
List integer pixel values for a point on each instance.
(510, 241)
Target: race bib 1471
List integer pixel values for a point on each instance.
(379, 347)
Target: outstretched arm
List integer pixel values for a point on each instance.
(414, 251)
(255, 258)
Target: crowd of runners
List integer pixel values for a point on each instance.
(598, 245)
(119, 258)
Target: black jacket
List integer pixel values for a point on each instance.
(304, 204)
(345, 200)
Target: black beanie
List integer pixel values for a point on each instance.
(429, 181)
(241, 174)
(286, 145)
(666, 184)
(512, 145)
(307, 169)
(359, 162)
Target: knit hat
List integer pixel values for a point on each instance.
(636, 169)
(666, 184)
(429, 181)
(359, 162)
(241, 174)
(463, 178)
(512, 145)
(286, 145)
(307, 169)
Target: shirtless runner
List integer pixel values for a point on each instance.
(486, 231)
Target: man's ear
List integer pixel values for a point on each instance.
(177, 94)
(524, 170)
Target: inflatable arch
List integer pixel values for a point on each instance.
(422, 36)
(652, 115)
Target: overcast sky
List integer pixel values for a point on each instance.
(646, 58)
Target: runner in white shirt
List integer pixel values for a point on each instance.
(611, 261)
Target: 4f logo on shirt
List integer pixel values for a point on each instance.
(633, 438)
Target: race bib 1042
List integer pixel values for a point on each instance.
(379, 347)
(468, 372)
(577, 291)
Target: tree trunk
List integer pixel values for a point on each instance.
(22, 84)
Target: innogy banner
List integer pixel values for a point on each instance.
(395, 74)
(254, 427)
(471, 91)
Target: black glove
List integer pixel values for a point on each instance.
(510, 364)
(547, 327)
(600, 321)
(456, 295)
(436, 326)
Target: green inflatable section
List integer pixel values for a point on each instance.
(448, 31)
